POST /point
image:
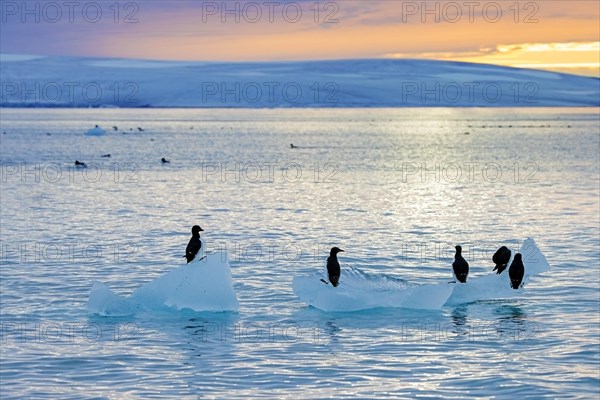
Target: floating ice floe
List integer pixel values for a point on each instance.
(96, 131)
(202, 285)
(360, 291)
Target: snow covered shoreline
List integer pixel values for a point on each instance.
(92, 82)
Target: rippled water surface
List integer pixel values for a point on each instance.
(397, 189)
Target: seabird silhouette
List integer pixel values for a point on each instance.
(194, 245)
(460, 266)
(333, 266)
(501, 258)
(516, 271)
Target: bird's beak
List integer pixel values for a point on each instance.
(341, 250)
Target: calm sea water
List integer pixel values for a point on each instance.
(396, 188)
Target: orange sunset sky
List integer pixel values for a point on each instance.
(555, 35)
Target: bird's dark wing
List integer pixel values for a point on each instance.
(505, 257)
(333, 270)
(461, 269)
(501, 256)
(192, 249)
(333, 266)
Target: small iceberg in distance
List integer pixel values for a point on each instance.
(96, 131)
(202, 285)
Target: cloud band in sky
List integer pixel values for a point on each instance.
(541, 34)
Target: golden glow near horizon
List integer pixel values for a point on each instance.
(572, 57)
(544, 34)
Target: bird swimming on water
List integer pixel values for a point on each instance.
(194, 245)
(516, 272)
(164, 160)
(333, 266)
(460, 266)
(501, 258)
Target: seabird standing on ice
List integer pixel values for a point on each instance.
(194, 245)
(516, 271)
(460, 266)
(501, 259)
(333, 266)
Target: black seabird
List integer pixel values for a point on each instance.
(164, 160)
(516, 271)
(333, 266)
(460, 266)
(106, 155)
(80, 164)
(194, 244)
(501, 259)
